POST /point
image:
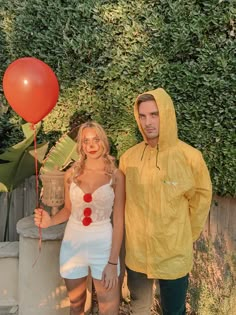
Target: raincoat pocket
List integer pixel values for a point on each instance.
(173, 199)
(171, 190)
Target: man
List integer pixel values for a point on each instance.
(168, 195)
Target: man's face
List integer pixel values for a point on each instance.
(149, 119)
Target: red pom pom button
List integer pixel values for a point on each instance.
(86, 221)
(88, 198)
(87, 212)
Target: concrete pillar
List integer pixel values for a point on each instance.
(9, 253)
(41, 289)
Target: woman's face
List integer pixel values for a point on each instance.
(91, 143)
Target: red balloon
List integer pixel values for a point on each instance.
(31, 88)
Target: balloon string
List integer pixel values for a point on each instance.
(36, 167)
(37, 191)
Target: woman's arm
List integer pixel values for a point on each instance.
(109, 277)
(118, 216)
(42, 217)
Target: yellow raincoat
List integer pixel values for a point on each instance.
(168, 195)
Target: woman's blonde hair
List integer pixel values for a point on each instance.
(78, 166)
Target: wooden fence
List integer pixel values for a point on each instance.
(21, 203)
(222, 221)
(14, 206)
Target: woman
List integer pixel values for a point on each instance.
(93, 188)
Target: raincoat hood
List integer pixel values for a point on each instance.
(168, 126)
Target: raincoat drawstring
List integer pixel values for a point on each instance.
(157, 148)
(144, 151)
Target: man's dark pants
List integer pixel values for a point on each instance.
(172, 293)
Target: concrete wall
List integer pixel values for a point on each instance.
(29, 272)
(9, 265)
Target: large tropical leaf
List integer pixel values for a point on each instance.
(18, 161)
(61, 155)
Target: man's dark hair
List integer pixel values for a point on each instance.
(144, 98)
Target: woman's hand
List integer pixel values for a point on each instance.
(109, 276)
(42, 218)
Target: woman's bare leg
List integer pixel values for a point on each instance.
(77, 294)
(108, 300)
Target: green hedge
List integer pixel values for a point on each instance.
(106, 52)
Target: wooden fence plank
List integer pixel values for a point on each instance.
(16, 212)
(29, 196)
(3, 214)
